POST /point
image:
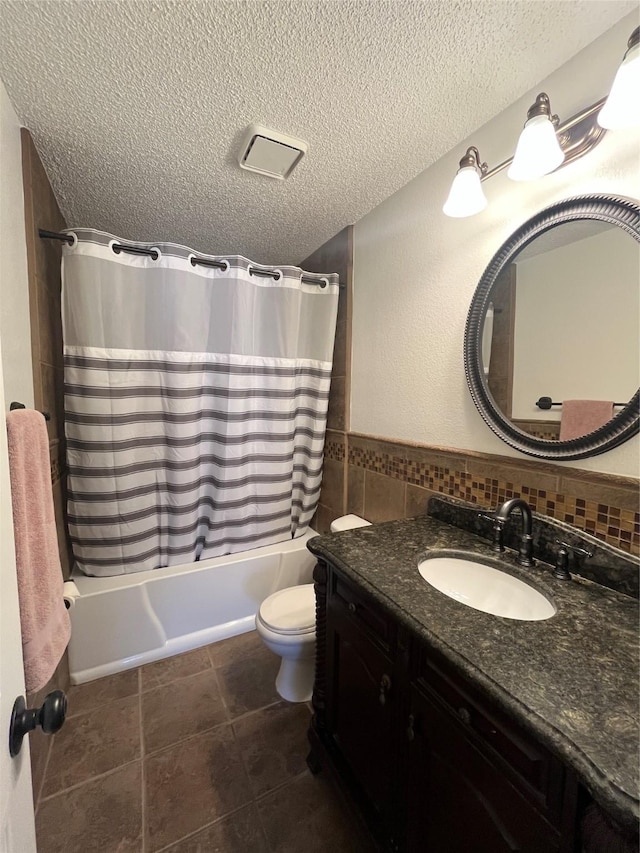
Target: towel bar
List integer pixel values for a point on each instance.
(547, 402)
(15, 405)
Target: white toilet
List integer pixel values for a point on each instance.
(286, 622)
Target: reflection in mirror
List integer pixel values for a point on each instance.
(564, 323)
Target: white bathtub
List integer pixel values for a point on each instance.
(122, 622)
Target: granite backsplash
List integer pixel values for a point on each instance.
(608, 566)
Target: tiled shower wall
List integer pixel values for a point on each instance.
(335, 256)
(45, 290)
(43, 259)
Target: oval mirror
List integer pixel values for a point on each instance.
(552, 341)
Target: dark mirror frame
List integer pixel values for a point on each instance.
(621, 212)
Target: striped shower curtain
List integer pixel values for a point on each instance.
(195, 402)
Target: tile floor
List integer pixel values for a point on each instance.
(194, 754)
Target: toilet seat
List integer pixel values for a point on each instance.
(290, 611)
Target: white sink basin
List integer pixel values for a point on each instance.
(486, 588)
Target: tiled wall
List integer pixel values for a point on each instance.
(388, 479)
(335, 256)
(547, 430)
(43, 259)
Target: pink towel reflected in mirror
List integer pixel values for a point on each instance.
(580, 417)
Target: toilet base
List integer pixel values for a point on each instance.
(294, 681)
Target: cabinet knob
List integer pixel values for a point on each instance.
(385, 686)
(352, 607)
(411, 735)
(464, 715)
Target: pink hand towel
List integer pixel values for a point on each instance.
(46, 627)
(580, 417)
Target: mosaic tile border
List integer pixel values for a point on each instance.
(548, 430)
(58, 469)
(380, 462)
(334, 450)
(618, 526)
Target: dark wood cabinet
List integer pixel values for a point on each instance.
(361, 694)
(458, 799)
(361, 719)
(433, 764)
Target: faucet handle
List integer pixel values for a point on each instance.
(498, 528)
(493, 518)
(561, 570)
(579, 552)
(486, 516)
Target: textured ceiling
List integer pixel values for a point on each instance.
(137, 107)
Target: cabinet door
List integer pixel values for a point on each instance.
(458, 802)
(360, 702)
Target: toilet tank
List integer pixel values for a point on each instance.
(348, 522)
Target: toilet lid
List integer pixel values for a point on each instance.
(291, 610)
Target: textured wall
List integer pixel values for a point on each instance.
(415, 270)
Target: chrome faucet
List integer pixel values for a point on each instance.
(500, 518)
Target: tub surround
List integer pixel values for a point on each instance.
(178, 608)
(569, 680)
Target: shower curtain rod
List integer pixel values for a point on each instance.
(203, 262)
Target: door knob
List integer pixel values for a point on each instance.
(49, 717)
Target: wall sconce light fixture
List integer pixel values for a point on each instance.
(466, 196)
(538, 151)
(622, 108)
(545, 144)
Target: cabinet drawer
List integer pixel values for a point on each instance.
(363, 611)
(531, 762)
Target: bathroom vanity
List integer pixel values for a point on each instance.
(454, 730)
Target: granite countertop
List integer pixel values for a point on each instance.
(571, 679)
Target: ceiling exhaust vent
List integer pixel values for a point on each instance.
(270, 153)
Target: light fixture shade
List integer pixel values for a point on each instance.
(538, 151)
(622, 107)
(466, 196)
